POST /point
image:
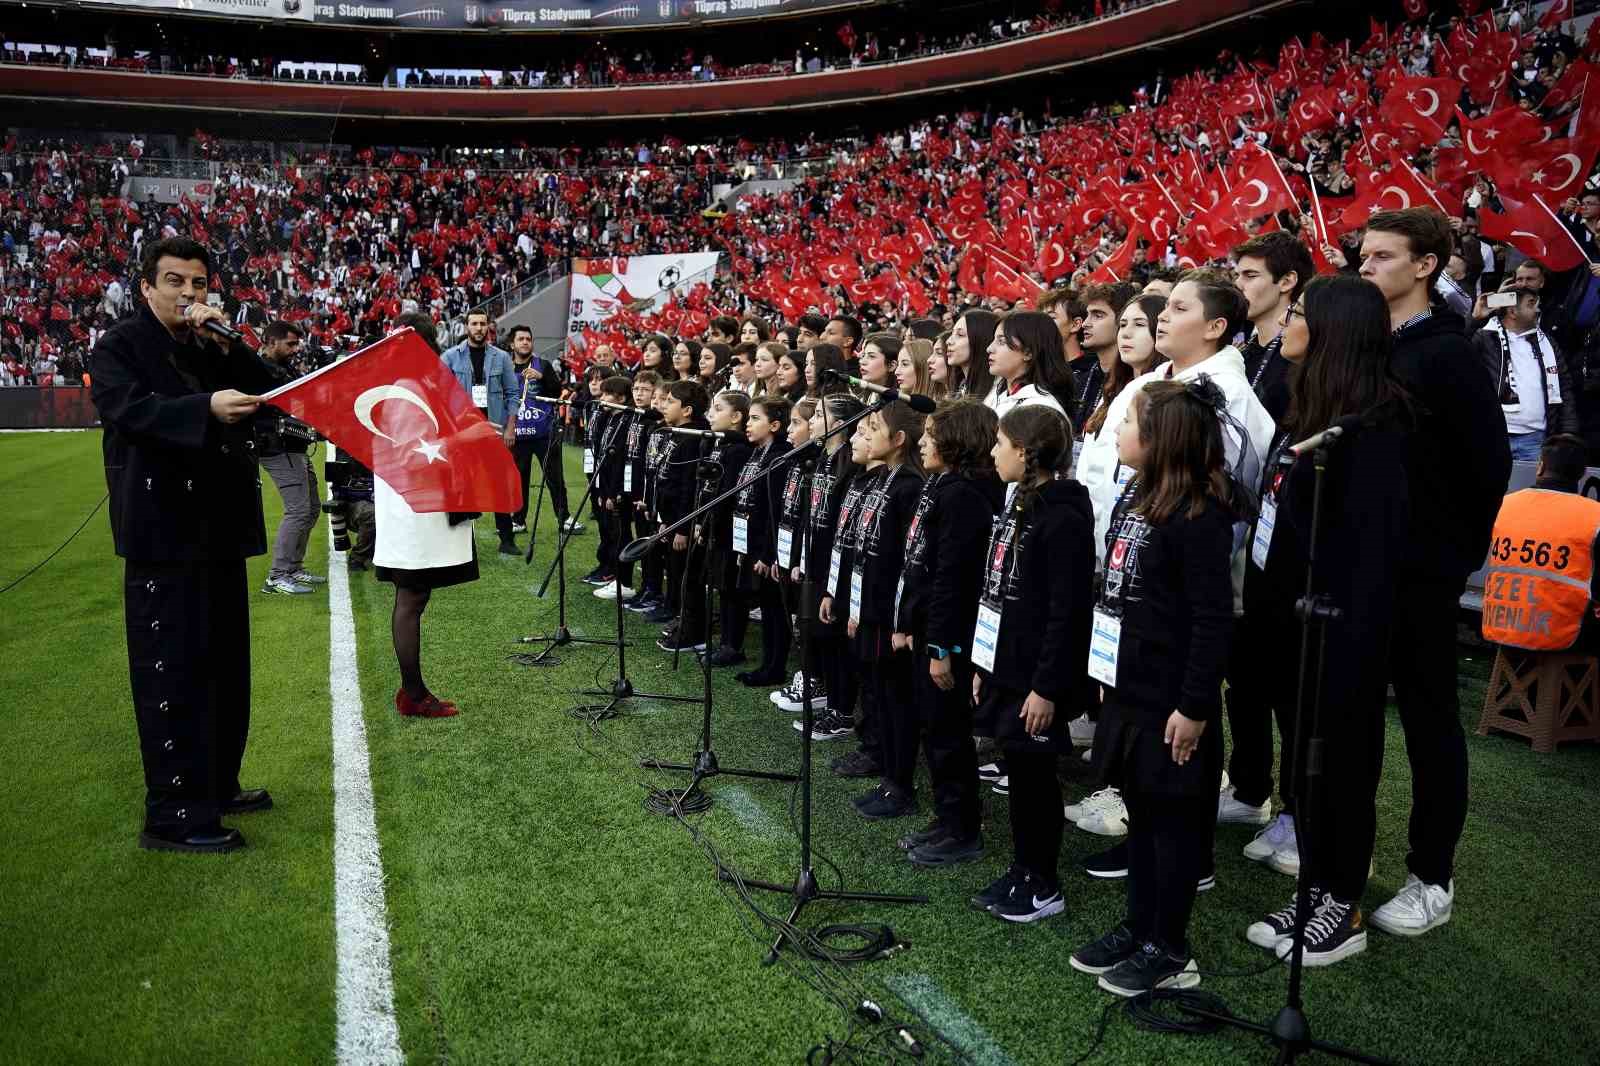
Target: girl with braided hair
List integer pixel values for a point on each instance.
(1162, 627)
(1028, 646)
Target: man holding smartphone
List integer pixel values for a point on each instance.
(1531, 380)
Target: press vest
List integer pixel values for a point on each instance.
(1541, 562)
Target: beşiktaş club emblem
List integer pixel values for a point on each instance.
(577, 307)
(668, 277)
(291, 7)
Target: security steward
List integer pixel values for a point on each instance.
(185, 514)
(1540, 592)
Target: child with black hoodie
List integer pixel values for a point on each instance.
(1032, 626)
(755, 514)
(630, 490)
(936, 608)
(729, 452)
(832, 482)
(652, 599)
(1162, 628)
(685, 408)
(890, 438)
(611, 459)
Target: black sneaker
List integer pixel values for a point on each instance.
(659, 614)
(992, 771)
(1106, 953)
(596, 576)
(1109, 864)
(676, 641)
(1276, 927)
(643, 604)
(999, 888)
(884, 803)
(509, 547)
(856, 764)
(1336, 930)
(1001, 786)
(948, 850)
(830, 725)
(726, 656)
(926, 835)
(1150, 968)
(1029, 900)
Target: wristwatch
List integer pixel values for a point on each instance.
(940, 654)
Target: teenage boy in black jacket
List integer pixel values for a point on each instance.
(685, 408)
(1459, 464)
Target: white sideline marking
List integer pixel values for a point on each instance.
(924, 993)
(748, 811)
(364, 988)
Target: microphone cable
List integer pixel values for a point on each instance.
(36, 567)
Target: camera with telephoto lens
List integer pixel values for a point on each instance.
(334, 509)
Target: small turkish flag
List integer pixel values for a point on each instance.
(1555, 15)
(1415, 10)
(1533, 229)
(401, 412)
(1263, 191)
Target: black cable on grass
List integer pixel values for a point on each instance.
(872, 1035)
(73, 536)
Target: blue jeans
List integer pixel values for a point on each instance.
(1525, 446)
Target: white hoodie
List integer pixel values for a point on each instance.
(1104, 477)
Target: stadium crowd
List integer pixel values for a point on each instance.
(913, 223)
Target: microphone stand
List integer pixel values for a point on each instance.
(705, 763)
(1289, 1031)
(558, 566)
(562, 635)
(804, 889)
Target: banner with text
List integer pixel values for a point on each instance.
(557, 14)
(602, 287)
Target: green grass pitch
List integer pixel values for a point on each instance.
(538, 914)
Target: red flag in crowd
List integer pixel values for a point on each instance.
(1115, 268)
(1053, 261)
(1555, 15)
(1533, 229)
(400, 411)
(1424, 104)
(1416, 10)
(1262, 190)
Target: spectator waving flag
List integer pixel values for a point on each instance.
(401, 412)
(1533, 229)
(1262, 190)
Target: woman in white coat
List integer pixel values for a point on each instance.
(418, 553)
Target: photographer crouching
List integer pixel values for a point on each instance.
(185, 515)
(281, 444)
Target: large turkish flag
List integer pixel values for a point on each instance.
(401, 412)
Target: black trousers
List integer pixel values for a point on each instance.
(606, 552)
(653, 566)
(555, 477)
(547, 452)
(1036, 814)
(689, 576)
(946, 719)
(777, 631)
(522, 451)
(1422, 667)
(188, 628)
(899, 724)
(616, 530)
(1170, 840)
(1263, 679)
(831, 656)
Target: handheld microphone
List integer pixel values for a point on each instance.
(218, 327)
(914, 400)
(1328, 436)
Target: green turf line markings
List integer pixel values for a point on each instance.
(747, 809)
(364, 989)
(924, 993)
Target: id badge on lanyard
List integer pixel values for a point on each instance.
(741, 534)
(1105, 637)
(835, 558)
(480, 396)
(588, 461)
(627, 478)
(855, 595)
(899, 594)
(985, 637)
(1261, 543)
(786, 547)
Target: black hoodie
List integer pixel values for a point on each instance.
(1460, 459)
(1047, 596)
(944, 558)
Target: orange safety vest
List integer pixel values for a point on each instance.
(1541, 562)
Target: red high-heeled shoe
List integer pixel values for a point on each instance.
(430, 706)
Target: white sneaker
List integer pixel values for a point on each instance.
(1286, 860)
(1088, 755)
(610, 591)
(755, 614)
(1108, 819)
(1090, 804)
(1416, 908)
(1279, 833)
(782, 693)
(306, 577)
(1081, 730)
(1231, 812)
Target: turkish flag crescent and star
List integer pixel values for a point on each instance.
(400, 412)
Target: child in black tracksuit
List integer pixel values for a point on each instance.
(594, 425)
(936, 610)
(785, 559)
(755, 514)
(631, 493)
(1162, 629)
(1028, 644)
(890, 437)
(867, 759)
(611, 460)
(675, 495)
(832, 483)
(653, 599)
(728, 454)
